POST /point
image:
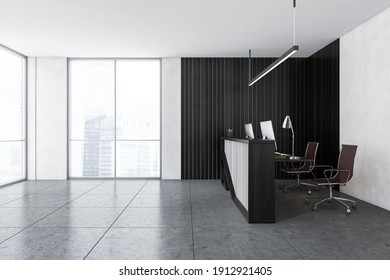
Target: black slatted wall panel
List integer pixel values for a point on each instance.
(202, 116)
(216, 96)
(322, 97)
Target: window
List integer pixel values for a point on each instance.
(114, 118)
(12, 117)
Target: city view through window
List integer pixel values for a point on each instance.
(114, 118)
(12, 117)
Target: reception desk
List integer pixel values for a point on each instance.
(248, 171)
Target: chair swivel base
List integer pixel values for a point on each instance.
(330, 198)
(298, 183)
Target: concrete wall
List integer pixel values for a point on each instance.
(364, 107)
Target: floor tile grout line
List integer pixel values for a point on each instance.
(331, 213)
(355, 226)
(49, 186)
(78, 196)
(93, 247)
(63, 206)
(22, 196)
(102, 227)
(14, 207)
(192, 224)
(167, 227)
(325, 212)
(288, 241)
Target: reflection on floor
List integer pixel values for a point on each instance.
(168, 219)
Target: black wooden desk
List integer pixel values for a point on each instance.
(248, 171)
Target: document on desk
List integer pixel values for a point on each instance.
(281, 154)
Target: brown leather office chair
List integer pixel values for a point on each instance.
(304, 167)
(340, 176)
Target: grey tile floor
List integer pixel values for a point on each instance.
(153, 219)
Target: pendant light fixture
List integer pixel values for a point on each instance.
(277, 62)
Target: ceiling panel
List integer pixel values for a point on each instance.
(177, 28)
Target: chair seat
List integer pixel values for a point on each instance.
(296, 170)
(305, 167)
(325, 182)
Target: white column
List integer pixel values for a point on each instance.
(31, 156)
(47, 123)
(171, 118)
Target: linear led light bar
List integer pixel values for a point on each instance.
(274, 64)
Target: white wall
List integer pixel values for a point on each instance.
(47, 118)
(171, 118)
(365, 107)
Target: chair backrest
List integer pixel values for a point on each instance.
(346, 162)
(311, 153)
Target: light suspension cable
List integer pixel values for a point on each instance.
(282, 58)
(294, 6)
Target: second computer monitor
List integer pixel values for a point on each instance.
(249, 131)
(267, 131)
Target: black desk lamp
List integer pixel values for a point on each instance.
(287, 124)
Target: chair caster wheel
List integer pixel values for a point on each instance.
(315, 208)
(348, 211)
(284, 190)
(280, 186)
(309, 192)
(306, 201)
(354, 205)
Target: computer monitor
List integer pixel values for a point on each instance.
(249, 131)
(267, 131)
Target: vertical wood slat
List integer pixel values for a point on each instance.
(216, 96)
(184, 102)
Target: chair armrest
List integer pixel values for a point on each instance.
(323, 166)
(319, 166)
(337, 171)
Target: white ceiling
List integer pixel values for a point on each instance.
(177, 28)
